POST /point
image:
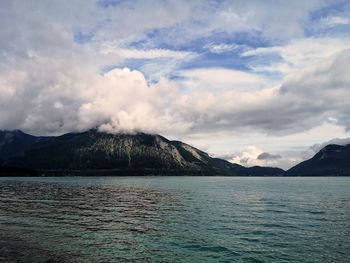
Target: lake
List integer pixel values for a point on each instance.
(175, 219)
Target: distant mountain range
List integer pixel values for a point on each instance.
(98, 153)
(95, 153)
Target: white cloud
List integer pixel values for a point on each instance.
(79, 99)
(298, 54)
(123, 100)
(254, 156)
(126, 103)
(147, 54)
(275, 20)
(305, 99)
(332, 21)
(221, 48)
(218, 78)
(338, 141)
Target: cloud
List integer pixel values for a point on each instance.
(327, 84)
(254, 156)
(338, 141)
(216, 78)
(332, 21)
(77, 97)
(298, 54)
(278, 110)
(221, 48)
(268, 156)
(153, 63)
(126, 103)
(275, 21)
(147, 54)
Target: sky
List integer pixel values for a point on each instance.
(254, 82)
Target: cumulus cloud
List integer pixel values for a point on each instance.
(126, 103)
(253, 156)
(79, 97)
(118, 101)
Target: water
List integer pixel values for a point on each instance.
(175, 219)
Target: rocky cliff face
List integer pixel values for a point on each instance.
(331, 160)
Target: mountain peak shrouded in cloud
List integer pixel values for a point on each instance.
(227, 74)
(336, 141)
(331, 160)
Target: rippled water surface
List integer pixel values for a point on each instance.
(175, 219)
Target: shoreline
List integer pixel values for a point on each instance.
(157, 175)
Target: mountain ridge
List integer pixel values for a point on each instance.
(94, 151)
(331, 160)
(99, 153)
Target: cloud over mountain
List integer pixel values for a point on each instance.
(200, 67)
(51, 97)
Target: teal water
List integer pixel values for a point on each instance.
(176, 219)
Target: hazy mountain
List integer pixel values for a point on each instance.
(260, 171)
(330, 160)
(121, 154)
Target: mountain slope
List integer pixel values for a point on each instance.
(136, 153)
(14, 143)
(331, 160)
(94, 150)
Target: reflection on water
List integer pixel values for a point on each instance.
(176, 219)
(72, 219)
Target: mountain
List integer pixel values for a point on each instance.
(94, 152)
(329, 161)
(14, 143)
(260, 171)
